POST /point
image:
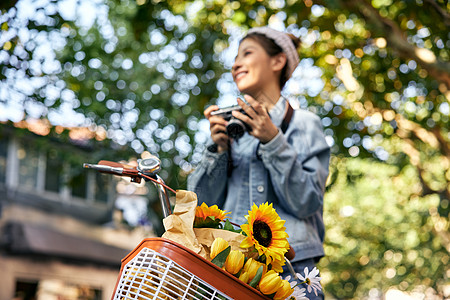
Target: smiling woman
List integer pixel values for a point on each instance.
(281, 159)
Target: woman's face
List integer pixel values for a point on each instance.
(252, 68)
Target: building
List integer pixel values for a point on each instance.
(61, 237)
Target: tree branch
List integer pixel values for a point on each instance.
(440, 11)
(396, 38)
(445, 146)
(412, 153)
(433, 137)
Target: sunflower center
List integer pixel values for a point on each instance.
(262, 233)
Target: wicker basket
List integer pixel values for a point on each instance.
(162, 269)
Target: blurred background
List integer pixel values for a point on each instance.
(84, 80)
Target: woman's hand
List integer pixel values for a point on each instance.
(258, 119)
(218, 127)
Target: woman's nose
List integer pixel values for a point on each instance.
(236, 65)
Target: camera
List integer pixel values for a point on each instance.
(235, 128)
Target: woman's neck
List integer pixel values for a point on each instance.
(268, 97)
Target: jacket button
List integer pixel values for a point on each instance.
(260, 188)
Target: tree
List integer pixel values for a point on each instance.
(382, 233)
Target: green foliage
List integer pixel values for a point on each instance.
(145, 73)
(381, 232)
(209, 222)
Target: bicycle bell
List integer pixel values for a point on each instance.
(149, 166)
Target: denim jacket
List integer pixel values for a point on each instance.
(290, 172)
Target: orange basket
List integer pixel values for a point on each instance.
(162, 269)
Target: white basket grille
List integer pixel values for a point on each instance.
(150, 275)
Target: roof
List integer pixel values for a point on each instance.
(23, 238)
(43, 127)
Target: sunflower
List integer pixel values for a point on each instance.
(209, 217)
(266, 232)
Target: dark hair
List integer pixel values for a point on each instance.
(273, 49)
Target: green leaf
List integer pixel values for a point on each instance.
(262, 258)
(257, 277)
(239, 273)
(209, 222)
(220, 258)
(228, 226)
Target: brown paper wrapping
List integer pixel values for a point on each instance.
(179, 228)
(179, 224)
(206, 237)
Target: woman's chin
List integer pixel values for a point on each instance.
(245, 89)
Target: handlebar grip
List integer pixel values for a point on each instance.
(290, 254)
(115, 164)
(110, 167)
(127, 170)
(105, 169)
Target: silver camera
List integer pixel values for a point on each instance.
(235, 128)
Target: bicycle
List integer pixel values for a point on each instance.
(162, 269)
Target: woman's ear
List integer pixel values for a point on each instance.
(278, 61)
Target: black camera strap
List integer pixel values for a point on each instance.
(230, 160)
(284, 126)
(287, 118)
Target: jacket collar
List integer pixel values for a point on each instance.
(277, 112)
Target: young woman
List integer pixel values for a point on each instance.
(282, 159)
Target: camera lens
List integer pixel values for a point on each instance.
(235, 128)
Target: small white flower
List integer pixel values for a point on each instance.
(311, 279)
(293, 283)
(298, 294)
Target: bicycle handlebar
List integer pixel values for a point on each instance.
(147, 169)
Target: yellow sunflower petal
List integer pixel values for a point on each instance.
(203, 211)
(266, 232)
(247, 243)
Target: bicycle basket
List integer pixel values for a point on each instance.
(162, 269)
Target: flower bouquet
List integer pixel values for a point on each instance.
(253, 252)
